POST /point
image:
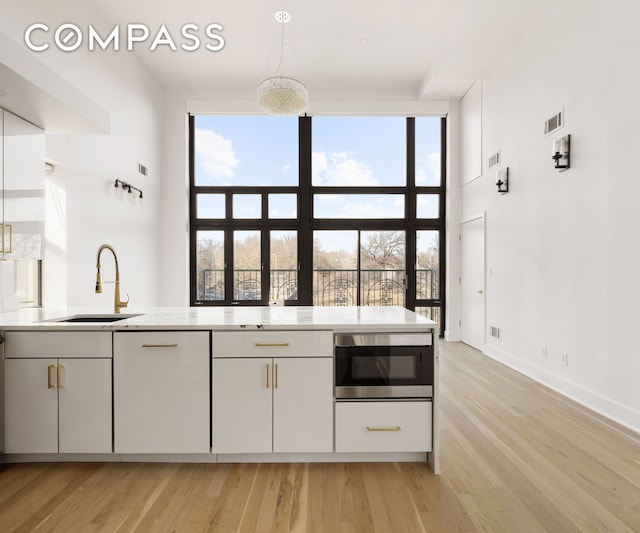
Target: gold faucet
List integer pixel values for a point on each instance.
(117, 303)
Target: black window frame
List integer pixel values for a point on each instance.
(305, 223)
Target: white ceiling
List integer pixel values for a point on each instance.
(419, 49)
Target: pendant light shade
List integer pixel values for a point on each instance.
(280, 94)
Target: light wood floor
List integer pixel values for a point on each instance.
(515, 457)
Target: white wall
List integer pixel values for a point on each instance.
(562, 251)
(83, 210)
(471, 134)
(454, 208)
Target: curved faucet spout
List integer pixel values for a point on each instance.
(117, 303)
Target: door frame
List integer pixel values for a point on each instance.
(482, 217)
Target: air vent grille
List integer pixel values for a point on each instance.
(494, 160)
(143, 169)
(553, 123)
(495, 332)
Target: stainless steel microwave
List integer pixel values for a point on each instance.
(395, 365)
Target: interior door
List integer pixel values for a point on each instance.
(472, 282)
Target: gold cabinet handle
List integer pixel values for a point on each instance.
(49, 378)
(160, 345)
(267, 375)
(392, 428)
(262, 344)
(10, 226)
(59, 376)
(276, 375)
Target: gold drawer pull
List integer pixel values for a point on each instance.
(392, 428)
(267, 375)
(276, 375)
(60, 383)
(10, 249)
(261, 344)
(160, 345)
(49, 380)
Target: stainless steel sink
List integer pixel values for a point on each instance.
(92, 318)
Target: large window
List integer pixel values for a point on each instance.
(245, 151)
(317, 211)
(359, 152)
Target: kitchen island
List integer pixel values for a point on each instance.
(225, 384)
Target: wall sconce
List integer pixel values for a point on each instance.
(127, 187)
(561, 153)
(502, 180)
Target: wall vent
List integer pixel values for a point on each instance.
(495, 332)
(142, 169)
(553, 123)
(494, 159)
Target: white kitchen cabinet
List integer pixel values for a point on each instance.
(285, 343)
(31, 406)
(263, 405)
(23, 202)
(303, 405)
(81, 344)
(384, 426)
(161, 392)
(281, 403)
(57, 404)
(242, 405)
(85, 406)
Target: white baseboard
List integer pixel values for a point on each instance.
(107, 458)
(213, 458)
(368, 457)
(593, 400)
(450, 336)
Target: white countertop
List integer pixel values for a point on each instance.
(388, 319)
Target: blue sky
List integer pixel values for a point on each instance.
(354, 151)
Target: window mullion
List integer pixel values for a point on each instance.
(305, 212)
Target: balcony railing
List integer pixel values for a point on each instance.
(330, 287)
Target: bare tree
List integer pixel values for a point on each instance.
(385, 249)
(284, 252)
(246, 252)
(428, 271)
(210, 254)
(333, 260)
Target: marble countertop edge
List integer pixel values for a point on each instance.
(255, 318)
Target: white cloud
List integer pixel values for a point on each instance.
(280, 213)
(428, 170)
(329, 197)
(319, 165)
(337, 168)
(215, 157)
(359, 206)
(372, 210)
(286, 167)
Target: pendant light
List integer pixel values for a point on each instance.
(280, 94)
